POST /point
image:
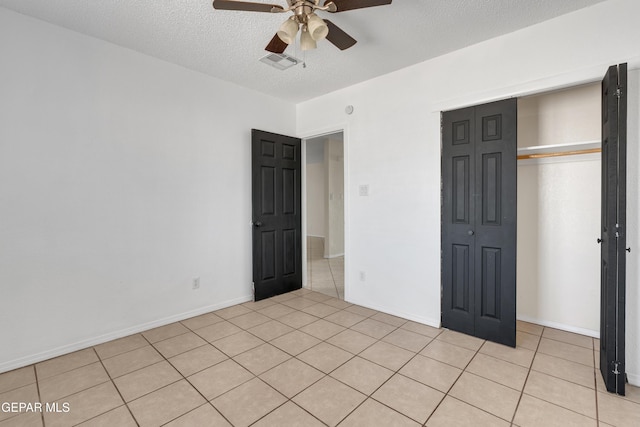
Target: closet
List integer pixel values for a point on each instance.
(571, 251)
(558, 261)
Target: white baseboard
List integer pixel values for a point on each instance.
(429, 321)
(563, 327)
(80, 345)
(634, 379)
(313, 235)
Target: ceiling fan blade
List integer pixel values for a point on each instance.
(276, 45)
(246, 6)
(343, 5)
(338, 37)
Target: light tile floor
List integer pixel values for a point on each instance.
(308, 359)
(325, 275)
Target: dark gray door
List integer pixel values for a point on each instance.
(479, 179)
(613, 228)
(276, 205)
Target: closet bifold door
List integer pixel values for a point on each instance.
(478, 239)
(458, 220)
(613, 229)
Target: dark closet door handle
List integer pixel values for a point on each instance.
(599, 240)
(470, 232)
(628, 250)
(258, 224)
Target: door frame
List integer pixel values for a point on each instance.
(347, 239)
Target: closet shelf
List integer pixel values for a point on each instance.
(557, 150)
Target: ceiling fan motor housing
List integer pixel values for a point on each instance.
(302, 12)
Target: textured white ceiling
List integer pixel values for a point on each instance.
(228, 44)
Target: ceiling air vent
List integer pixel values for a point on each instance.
(281, 61)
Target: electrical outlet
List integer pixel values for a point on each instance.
(195, 284)
(363, 276)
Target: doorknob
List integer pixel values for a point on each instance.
(258, 224)
(599, 240)
(470, 232)
(628, 250)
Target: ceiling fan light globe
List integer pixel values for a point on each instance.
(306, 41)
(317, 27)
(288, 31)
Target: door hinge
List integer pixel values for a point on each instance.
(618, 92)
(616, 364)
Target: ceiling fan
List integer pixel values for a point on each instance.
(312, 27)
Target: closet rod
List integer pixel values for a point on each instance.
(559, 153)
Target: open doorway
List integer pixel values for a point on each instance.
(325, 214)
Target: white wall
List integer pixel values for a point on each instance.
(393, 144)
(334, 167)
(633, 229)
(558, 272)
(316, 188)
(122, 178)
(560, 117)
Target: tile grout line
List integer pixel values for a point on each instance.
(562, 379)
(81, 390)
(35, 373)
(527, 377)
(457, 379)
(153, 391)
(335, 285)
(561, 407)
(193, 410)
(279, 364)
(396, 372)
(257, 376)
(207, 402)
(333, 279)
(488, 379)
(183, 378)
(325, 340)
(84, 389)
(563, 342)
(287, 401)
(230, 318)
(333, 370)
(595, 380)
(117, 389)
(344, 363)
